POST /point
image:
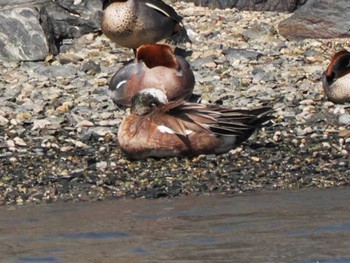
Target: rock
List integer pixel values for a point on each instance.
(344, 119)
(344, 133)
(260, 74)
(3, 121)
(90, 67)
(200, 62)
(258, 30)
(53, 71)
(42, 25)
(4, 3)
(254, 5)
(66, 58)
(28, 41)
(101, 165)
(40, 124)
(70, 20)
(318, 19)
(238, 54)
(19, 141)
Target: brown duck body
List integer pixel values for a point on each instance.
(155, 66)
(132, 23)
(185, 129)
(336, 79)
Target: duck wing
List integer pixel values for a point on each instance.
(165, 9)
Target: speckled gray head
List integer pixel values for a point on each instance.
(145, 100)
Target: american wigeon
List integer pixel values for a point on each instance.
(158, 128)
(132, 23)
(155, 66)
(336, 79)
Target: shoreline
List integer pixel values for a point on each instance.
(58, 126)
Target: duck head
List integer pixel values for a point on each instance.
(147, 100)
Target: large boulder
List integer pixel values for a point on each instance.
(72, 18)
(32, 29)
(254, 5)
(9, 3)
(21, 35)
(318, 19)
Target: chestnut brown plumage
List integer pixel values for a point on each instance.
(155, 66)
(158, 128)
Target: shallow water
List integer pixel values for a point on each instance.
(283, 226)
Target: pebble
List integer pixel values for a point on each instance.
(109, 122)
(23, 116)
(344, 133)
(40, 124)
(66, 58)
(277, 136)
(77, 143)
(85, 123)
(10, 143)
(19, 141)
(3, 121)
(344, 119)
(66, 148)
(101, 165)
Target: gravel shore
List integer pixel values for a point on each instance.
(58, 126)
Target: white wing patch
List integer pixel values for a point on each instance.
(165, 129)
(121, 83)
(188, 132)
(157, 8)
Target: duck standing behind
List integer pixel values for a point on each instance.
(132, 23)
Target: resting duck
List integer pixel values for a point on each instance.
(132, 23)
(158, 128)
(336, 79)
(155, 66)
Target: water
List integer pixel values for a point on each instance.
(283, 226)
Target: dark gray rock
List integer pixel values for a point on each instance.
(318, 19)
(344, 119)
(258, 30)
(260, 74)
(199, 62)
(72, 21)
(11, 3)
(254, 5)
(32, 29)
(53, 71)
(21, 35)
(91, 68)
(232, 54)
